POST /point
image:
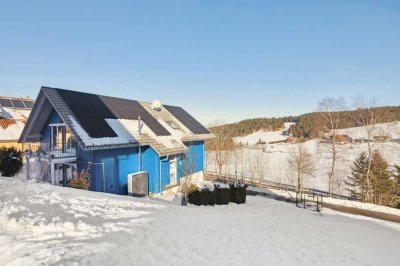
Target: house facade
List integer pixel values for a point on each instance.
(111, 138)
(13, 115)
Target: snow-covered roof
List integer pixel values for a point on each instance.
(101, 122)
(14, 112)
(10, 129)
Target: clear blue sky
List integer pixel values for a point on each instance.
(224, 60)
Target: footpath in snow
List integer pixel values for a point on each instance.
(43, 224)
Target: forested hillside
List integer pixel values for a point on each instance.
(307, 126)
(247, 126)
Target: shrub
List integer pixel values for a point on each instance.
(195, 196)
(201, 194)
(238, 193)
(222, 194)
(209, 196)
(10, 161)
(80, 180)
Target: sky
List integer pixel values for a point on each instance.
(220, 60)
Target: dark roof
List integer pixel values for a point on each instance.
(189, 121)
(92, 109)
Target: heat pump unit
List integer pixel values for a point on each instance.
(138, 184)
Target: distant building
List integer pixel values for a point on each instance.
(342, 138)
(381, 138)
(14, 113)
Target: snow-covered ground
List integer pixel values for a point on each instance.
(268, 136)
(44, 224)
(275, 158)
(339, 202)
(391, 130)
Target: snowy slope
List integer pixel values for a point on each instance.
(43, 224)
(392, 130)
(276, 158)
(269, 136)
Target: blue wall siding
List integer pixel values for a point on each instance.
(166, 178)
(151, 164)
(118, 163)
(194, 156)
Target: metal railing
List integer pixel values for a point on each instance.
(314, 200)
(43, 150)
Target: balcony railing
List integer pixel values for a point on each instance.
(43, 150)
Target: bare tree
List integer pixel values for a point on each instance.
(302, 163)
(250, 168)
(221, 146)
(260, 167)
(242, 165)
(331, 109)
(186, 170)
(237, 159)
(369, 116)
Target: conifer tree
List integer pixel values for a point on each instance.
(357, 184)
(396, 176)
(383, 186)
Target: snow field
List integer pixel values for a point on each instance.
(44, 224)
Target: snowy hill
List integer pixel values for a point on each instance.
(43, 224)
(264, 136)
(275, 156)
(391, 130)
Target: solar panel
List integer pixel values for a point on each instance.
(29, 104)
(90, 111)
(6, 103)
(131, 109)
(18, 104)
(189, 121)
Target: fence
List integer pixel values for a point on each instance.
(269, 184)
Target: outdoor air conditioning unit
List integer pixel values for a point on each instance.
(138, 184)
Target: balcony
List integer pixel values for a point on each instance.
(44, 150)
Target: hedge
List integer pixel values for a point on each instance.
(238, 193)
(219, 193)
(222, 194)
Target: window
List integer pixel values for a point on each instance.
(173, 125)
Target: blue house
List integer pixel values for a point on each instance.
(111, 138)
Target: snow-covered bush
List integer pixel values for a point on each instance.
(238, 193)
(218, 193)
(10, 161)
(201, 194)
(222, 193)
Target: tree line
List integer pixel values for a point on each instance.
(311, 125)
(247, 126)
(308, 126)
